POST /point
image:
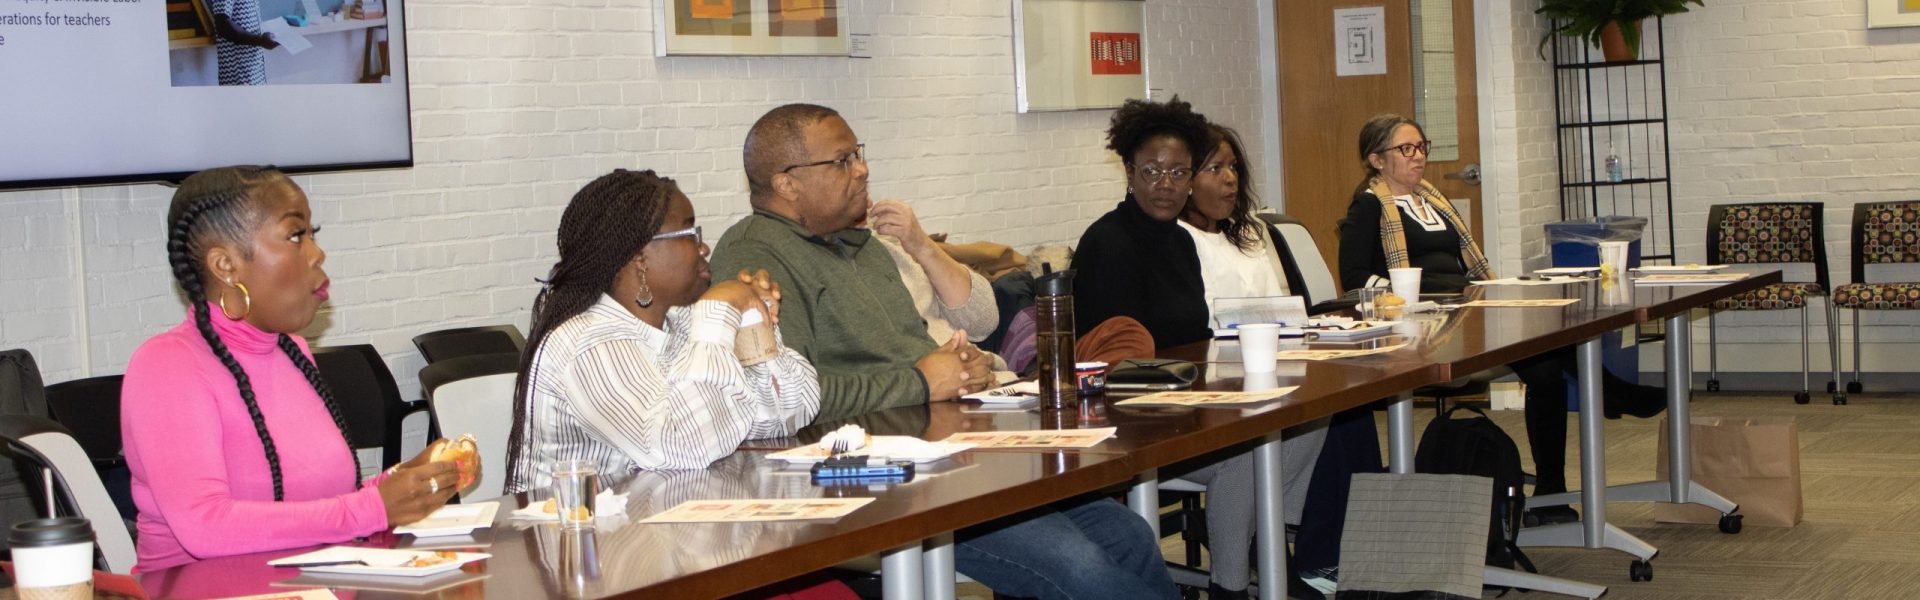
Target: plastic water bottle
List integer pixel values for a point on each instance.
(1053, 317)
(1615, 172)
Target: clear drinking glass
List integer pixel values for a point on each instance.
(1367, 310)
(575, 484)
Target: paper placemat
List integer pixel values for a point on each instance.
(1529, 303)
(1045, 438)
(743, 511)
(1207, 398)
(1333, 354)
(1689, 279)
(1555, 280)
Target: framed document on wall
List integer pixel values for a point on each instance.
(1893, 13)
(1078, 54)
(750, 27)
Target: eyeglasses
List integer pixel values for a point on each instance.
(844, 162)
(1156, 175)
(692, 232)
(1219, 170)
(1407, 150)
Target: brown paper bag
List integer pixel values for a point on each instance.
(1753, 461)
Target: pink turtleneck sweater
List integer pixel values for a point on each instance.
(200, 475)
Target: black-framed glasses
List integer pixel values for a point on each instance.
(1407, 150)
(1155, 174)
(844, 162)
(692, 232)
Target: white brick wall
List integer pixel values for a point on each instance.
(518, 103)
(1769, 101)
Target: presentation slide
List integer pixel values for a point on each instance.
(124, 90)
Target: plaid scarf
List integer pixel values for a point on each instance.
(1393, 239)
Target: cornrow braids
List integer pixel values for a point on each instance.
(214, 204)
(607, 223)
(320, 386)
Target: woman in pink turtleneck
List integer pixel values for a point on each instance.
(235, 443)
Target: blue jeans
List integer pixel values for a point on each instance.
(1082, 548)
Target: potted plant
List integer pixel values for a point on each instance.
(1613, 25)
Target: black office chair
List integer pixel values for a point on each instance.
(368, 397)
(90, 409)
(441, 345)
(487, 408)
(21, 393)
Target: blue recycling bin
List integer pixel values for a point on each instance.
(1576, 243)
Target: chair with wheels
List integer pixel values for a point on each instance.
(436, 346)
(1774, 233)
(46, 445)
(368, 396)
(89, 409)
(1886, 244)
(474, 394)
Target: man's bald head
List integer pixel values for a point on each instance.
(777, 141)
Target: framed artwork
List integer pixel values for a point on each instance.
(750, 27)
(1893, 13)
(1078, 54)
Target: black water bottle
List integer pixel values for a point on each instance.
(1053, 320)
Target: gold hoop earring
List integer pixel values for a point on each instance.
(646, 293)
(246, 302)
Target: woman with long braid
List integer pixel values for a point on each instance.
(235, 443)
(631, 360)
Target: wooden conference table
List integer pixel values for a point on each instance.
(910, 525)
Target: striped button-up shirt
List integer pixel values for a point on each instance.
(609, 388)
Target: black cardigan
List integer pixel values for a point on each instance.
(1128, 264)
(1362, 256)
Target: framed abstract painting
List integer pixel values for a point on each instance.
(750, 28)
(1078, 54)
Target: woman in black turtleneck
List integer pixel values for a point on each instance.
(1135, 261)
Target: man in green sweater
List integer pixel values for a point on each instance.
(843, 304)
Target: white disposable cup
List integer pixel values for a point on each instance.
(1259, 347)
(1614, 254)
(53, 558)
(1406, 283)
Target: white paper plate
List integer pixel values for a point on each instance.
(1567, 271)
(453, 519)
(1678, 269)
(896, 447)
(379, 561)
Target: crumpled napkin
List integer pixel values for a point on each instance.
(609, 505)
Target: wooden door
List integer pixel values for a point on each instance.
(1321, 113)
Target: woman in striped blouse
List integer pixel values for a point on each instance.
(631, 363)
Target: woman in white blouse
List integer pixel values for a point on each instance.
(631, 360)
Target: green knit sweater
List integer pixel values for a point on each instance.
(842, 306)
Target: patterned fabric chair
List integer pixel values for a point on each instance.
(1774, 233)
(1884, 233)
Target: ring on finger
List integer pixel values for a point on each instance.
(434, 487)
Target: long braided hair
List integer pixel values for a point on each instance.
(216, 205)
(608, 222)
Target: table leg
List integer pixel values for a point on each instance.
(1679, 487)
(901, 575)
(1400, 434)
(938, 564)
(1144, 499)
(1592, 531)
(1270, 533)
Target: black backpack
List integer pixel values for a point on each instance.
(1477, 446)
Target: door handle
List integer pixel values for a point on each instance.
(1469, 174)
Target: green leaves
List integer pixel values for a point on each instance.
(1585, 18)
